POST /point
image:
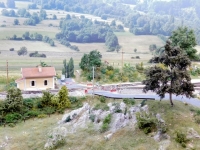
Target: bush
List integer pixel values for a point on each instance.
(117, 108)
(32, 113)
(68, 119)
(129, 101)
(146, 123)
(106, 123)
(42, 116)
(28, 102)
(11, 125)
(12, 117)
(101, 106)
(197, 119)
(73, 99)
(92, 117)
(102, 99)
(49, 110)
(181, 138)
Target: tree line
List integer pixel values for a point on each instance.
(34, 37)
(33, 18)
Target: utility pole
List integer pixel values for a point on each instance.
(93, 82)
(7, 71)
(122, 58)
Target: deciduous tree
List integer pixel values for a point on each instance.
(22, 51)
(174, 78)
(10, 3)
(185, 39)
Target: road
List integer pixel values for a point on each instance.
(192, 101)
(136, 93)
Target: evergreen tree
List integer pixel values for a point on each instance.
(64, 69)
(173, 78)
(63, 98)
(71, 68)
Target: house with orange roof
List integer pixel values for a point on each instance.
(36, 78)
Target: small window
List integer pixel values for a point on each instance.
(32, 83)
(45, 82)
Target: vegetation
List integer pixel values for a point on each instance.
(22, 51)
(174, 78)
(36, 54)
(106, 122)
(36, 130)
(185, 39)
(146, 122)
(16, 109)
(68, 68)
(181, 138)
(105, 72)
(33, 37)
(83, 30)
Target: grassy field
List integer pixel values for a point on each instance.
(34, 133)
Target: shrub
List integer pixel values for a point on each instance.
(12, 49)
(106, 123)
(12, 117)
(143, 103)
(28, 102)
(102, 99)
(197, 119)
(68, 119)
(129, 101)
(92, 117)
(73, 99)
(145, 122)
(181, 138)
(32, 113)
(49, 110)
(117, 108)
(11, 125)
(61, 111)
(46, 98)
(101, 106)
(42, 116)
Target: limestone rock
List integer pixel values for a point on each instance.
(191, 133)
(108, 136)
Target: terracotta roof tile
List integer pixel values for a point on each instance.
(34, 72)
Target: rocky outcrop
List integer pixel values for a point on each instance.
(122, 116)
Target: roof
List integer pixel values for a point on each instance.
(35, 72)
(19, 80)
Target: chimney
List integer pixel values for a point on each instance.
(40, 68)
